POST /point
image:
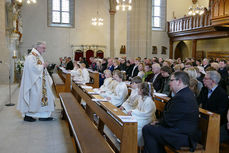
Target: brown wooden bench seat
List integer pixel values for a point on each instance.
(108, 115)
(62, 82)
(87, 138)
(94, 79)
(209, 124)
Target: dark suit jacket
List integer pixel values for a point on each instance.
(157, 84)
(181, 112)
(217, 102)
(69, 66)
(111, 68)
(135, 72)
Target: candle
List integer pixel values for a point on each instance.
(14, 53)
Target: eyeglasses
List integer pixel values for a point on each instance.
(172, 80)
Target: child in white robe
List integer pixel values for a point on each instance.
(85, 73)
(145, 111)
(120, 93)
(109, 83)
(76, 73)
(132, 101)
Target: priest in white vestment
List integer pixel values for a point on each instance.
(145, 111)
(36, 99)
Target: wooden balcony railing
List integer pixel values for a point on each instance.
(190, 23)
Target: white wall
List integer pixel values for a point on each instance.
(59, 40)
(120, 32)
(180, 7)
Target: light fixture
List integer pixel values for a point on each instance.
(97, 21)
(195, 9)
(28, 1)
(124, 5)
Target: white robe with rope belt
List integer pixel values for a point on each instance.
(30, 95)
(144, 114)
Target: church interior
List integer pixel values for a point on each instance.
(98, 28)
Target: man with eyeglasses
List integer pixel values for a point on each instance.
(212, 97)
(36, 99)
(178, 126)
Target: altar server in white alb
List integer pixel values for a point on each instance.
(145, 111)
(36, 99)
(120, 93)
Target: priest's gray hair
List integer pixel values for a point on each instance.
(39, 43)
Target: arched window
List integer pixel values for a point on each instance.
(61, 13)
(158, 14)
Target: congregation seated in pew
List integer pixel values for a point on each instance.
(120, 93)
(132, 101)
(80, 74)
(109, 83)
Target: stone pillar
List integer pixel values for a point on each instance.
(112, 29)
(5, 54)
(139, 30)
(194, 42)
(170, 49)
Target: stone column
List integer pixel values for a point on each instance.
(194, 43)
(171, 49)
(112, 29)
(4, 58)
(139, 30)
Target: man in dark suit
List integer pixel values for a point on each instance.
(135, 68)
(178, 126)
(69, 65)
(214, 98)
(157, 79)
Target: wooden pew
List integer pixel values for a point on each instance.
(209, 124)
(62, 82)
(86, 137)
(94, 79)
(108, 115)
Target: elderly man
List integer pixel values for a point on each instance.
(213, 98)
(36, 99)
(157, 79)
(179, 123)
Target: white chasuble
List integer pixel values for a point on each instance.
(35, 97)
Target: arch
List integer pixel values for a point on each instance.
(181, 50)
(78, 54)
(100, 54)
(89, 53)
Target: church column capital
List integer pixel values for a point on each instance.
(112, 12)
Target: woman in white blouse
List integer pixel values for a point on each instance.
(120, 93)
(145, 111)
